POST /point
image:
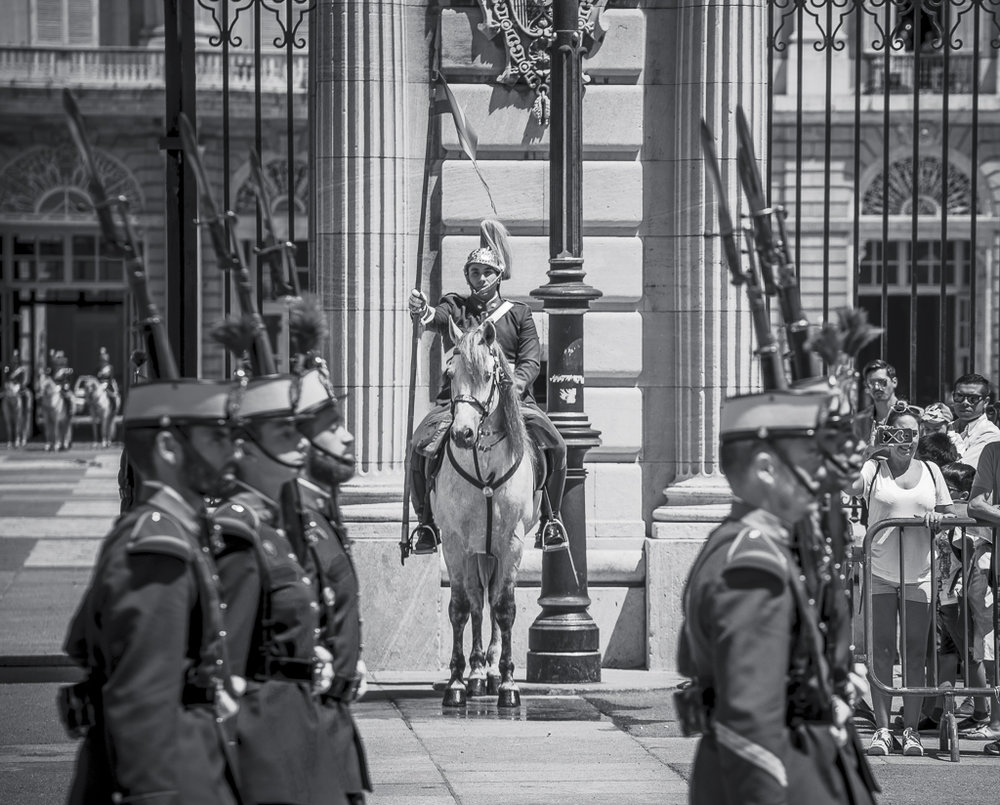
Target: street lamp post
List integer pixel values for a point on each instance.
(563, 642)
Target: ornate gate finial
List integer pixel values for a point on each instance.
(527, 31)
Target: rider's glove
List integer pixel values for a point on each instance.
(419, 308)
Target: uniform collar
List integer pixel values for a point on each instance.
(266, 508)
(761, 519)
(167, 498)
(489, 307)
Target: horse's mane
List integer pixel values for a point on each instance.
(476, 356)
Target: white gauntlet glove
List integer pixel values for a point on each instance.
(362, 679)
(323, 671)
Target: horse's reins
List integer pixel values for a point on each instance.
(486, 485)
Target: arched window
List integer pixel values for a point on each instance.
(929, 181)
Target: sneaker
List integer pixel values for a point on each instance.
(973, 723)
(881, 742)
(911, 743)
(966, 707)
(928, 724)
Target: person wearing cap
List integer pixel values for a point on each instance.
(485, 267)
(272, 616)
(326, 551)
(149, 630)
(106, 375)
(772, 722)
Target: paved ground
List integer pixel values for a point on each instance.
(612, 742)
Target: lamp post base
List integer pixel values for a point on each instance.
(571, 648)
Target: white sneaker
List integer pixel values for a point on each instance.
(881, 742)
(911, 743)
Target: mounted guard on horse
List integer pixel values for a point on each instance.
(63, 375)
(17, 402)
(517, 337)
(106, 376)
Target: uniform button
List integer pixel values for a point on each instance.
(312, 523)
(306, 580)
(280, 532)
(223, 605)
(204, 549)
(222, 633)
(219, 661)
(215, 577)
(812, 602)
(291, 556)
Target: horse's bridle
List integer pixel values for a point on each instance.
(484, 408)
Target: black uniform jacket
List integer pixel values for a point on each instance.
(328, 552)
(149, 633)
(272, 619)
(516, 335)
(740, 639)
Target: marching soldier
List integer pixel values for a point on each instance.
(517, 336)
(106, 375)
(149, 629)
(762, 694)
(326, 551)
(272, 612)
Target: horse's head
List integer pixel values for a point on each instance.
(481, 384)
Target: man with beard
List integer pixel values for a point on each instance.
(272, 615)
(762, 692)
(326, 550)
(149, 629)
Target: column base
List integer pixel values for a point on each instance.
(563, 647)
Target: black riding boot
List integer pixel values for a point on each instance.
(427, 535)
(551, 534)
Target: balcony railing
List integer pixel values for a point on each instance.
(930, 75)
(138, 68)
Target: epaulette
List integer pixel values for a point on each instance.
(237, 520)
(752, 549)
(157, 532)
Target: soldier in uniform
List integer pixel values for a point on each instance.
(326, 550)
(149, 629)
(272, 612)
(106, 375)
(17, 370)
(62, 375)
(517, 336)
(762, 693)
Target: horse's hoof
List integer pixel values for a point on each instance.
(476, 687)
(455, 697)
(509, 697)
(492, 684)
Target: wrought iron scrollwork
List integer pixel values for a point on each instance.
(526, 28)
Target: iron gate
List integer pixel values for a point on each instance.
(880, 120)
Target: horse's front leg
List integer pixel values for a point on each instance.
(477, 659)
(458, 611)
(505, 608)
(493, 657)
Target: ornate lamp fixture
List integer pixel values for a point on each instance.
(526, 26)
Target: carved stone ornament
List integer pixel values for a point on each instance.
(526, 27)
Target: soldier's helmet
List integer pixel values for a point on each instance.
(182, 402)
(59, 359)
(777, 414)
(494, 250)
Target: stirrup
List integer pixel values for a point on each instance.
(551, 535)
(424, 538)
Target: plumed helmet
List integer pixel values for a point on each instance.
(494, 248)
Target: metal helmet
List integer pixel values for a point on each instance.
(485, 256)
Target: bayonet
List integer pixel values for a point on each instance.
(277, 254)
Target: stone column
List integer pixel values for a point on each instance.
(369, 97)
(722, 65)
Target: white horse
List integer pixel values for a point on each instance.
(102, 409)
(16, 407)
(55, 415)
(484, 502)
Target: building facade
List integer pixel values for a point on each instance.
(875, 132)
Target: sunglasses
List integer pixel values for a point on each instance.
(971, 399)
(897, 435)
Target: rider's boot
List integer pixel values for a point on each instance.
(425, 538)
(551, 534)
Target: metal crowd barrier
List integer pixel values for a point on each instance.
(861, 571)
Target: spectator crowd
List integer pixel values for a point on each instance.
(923, 463)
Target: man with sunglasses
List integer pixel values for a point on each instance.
(970, 396)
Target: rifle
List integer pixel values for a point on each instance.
(776, 266)
(277, 255)
(771, 367)
(123, 245)
(227, 253)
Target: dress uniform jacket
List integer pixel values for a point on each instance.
(749, 641)
(327, 552)
(517, 337)
(148, 631)
(272, 619)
